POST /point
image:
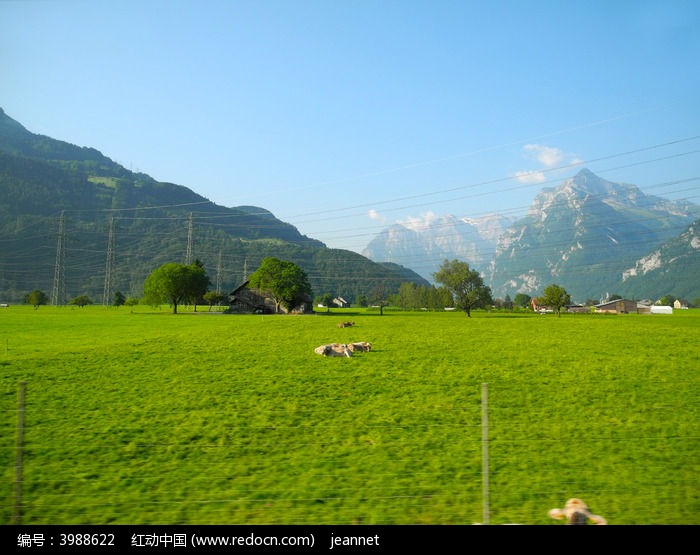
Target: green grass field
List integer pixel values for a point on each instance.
(139, 416)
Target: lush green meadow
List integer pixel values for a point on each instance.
(139, 416)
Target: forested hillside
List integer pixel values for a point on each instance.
(74, 220)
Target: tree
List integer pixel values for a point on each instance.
(522, 300)
(466, 285)
(379, 296)
(442, 298)
(284, 281)
(119, 299)
(36, 298)
(81, 301)
(175, 283)
(413, 296)
(213, 298)
(199, 298)
(555, 297)
(326, 300)
(407, 297)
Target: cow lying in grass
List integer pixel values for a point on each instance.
(333, 350)
(360, 346)
(576, 512)
(346, 324)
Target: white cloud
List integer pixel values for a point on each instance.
(372, 214)
(547, 155)
(420, 223)
(550, 157)
(530, 177)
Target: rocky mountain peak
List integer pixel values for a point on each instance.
(587, 183)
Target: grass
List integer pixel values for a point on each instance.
(139, 416)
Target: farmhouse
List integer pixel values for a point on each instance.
(246, 300)
(243, 300)
(617, 306)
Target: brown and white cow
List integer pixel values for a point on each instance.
(333, 350)
(360, 346)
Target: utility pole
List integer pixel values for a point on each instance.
(107, 292)
(188, 255)
(218, 275)
(58, 294)
(19, 461)
(485, 449)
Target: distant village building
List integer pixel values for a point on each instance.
(245, 300)
(578, 308)
(340, 302)
(541, 309)
(617, 306)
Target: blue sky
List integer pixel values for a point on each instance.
(345, 116)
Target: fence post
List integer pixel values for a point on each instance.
(16, 513)
(485, 449)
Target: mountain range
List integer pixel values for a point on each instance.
(593, 237)
(73, 221)
(424, 246)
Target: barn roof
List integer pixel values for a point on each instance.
(238, 289)
(614, 303)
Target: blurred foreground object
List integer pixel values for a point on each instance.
(576, 512)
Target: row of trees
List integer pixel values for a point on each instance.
(285, 282)
(413, 296)
(461, 288)
(36, 298)
(288, 286)
(175, 284)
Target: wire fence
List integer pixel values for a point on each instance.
(486, 463)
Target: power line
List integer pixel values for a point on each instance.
(83, 257)
(577, 164)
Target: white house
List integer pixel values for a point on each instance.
(341, 302)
